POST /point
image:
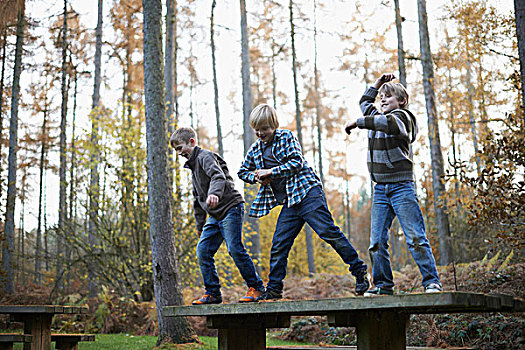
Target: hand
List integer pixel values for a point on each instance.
(263, 173)
(212, 201)
(384, 78)
(350, 125)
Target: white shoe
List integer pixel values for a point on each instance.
(433, 288)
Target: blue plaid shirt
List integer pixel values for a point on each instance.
(300, 178)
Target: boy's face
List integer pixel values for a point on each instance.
(389, 103)
(185, 148)
(265, 133)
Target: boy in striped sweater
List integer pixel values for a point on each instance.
(390, 135)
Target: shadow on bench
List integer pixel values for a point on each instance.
(8, 339)
(70, 341)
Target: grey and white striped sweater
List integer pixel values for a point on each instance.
(389, 140)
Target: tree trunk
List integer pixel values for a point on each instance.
(470, 93)
(165, 271)
(72, 183)
(308, 230)
(317, 99)
(9, 228)
(170, 77)
(38, 238)
(294, 68)
(438, 186)
(400, 49)
(62, 209)
(519, 10)
(252, 228)
(94, 189)
(215, 88)
(4, 49)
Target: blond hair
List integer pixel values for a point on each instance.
(182, 135)
(264, 115)
(397, 90)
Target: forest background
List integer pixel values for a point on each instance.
(78, 220)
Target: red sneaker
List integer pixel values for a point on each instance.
(250, 296)
(207, 299)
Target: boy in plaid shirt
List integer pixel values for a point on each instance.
(276, 161)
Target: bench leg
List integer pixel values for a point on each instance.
(242, 339)
(6, 346)
(66, 345)
(39, 326)
(382, 330)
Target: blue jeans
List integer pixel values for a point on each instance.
(314, 211)
(399, 199)
(213, 234)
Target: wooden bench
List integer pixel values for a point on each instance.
(381, 321)
(7, 340)
(37, 320)
(70, 341)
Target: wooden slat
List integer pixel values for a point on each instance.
(15, 338)
(41, 309)
(445, 302)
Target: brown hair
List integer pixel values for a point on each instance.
(182, 135)
(397, 90)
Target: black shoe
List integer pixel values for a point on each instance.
(379, 291)
(269, 294)
(361, 282)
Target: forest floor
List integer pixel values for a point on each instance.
(110, 313)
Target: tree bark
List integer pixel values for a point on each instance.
(294, 69)
(9, 226)
(438, 186)
(165, 271)
(519, 10)
(94, 189)
(4, 49)
(215, 87)
(252, 228)
(317, 99)
(38, 238)
(308, 231)
(400, 49)
(470, 93)
(62, 205)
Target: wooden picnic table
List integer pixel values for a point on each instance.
(381, 321)
(37, 321)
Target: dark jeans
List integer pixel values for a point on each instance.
(399, 199)
(314, 211)
(213, 234)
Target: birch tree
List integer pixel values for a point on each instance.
(165, 272)
(436, 155)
